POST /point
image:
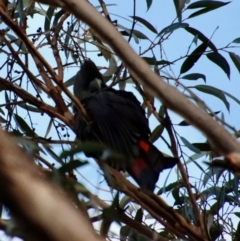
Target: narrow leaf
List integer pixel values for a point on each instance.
(237, 41)
(139, 215)
(194, 76)
(179, 5)
(231, 96)
(153, 61)
(202, 37)
(124, 232)
(157, 132)
(207, 4)
(48, 149)
(57, 16)
(204, 146)
(30, 108)
(20, 9)
(23, 125)
(219, 60)
(139, 34)
(48, 128)
(189, 145)
(18, 42)
(213, 91)
(171, 186)
(149, 3)
(193, 57)
(145, 23)
(70, 166)
(48, 18)
(67, 38)
(236, 60)
(172, 28)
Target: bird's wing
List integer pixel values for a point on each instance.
(120, 119)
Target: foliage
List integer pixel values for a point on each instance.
(36, 108)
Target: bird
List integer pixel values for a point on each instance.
(117, 120)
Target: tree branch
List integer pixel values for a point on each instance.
(35, 202)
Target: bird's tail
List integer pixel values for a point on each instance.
(149, 164)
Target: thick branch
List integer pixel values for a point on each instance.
(35, 202)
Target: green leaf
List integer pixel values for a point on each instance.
(91, 148)
(83, 147)
(193, 159)
(153, 61)
(202, 37)
(31, 10)
(237, 214)
(47, 23)
(211, 173)
(23, 125)
(195, 40)
(231, 96)
(157, 132)
(68, 167)
(139, 215)
(194, 76)
(172, 28)
(139, 34)
(29, 108)
(236, 60)
(18, 42)
(149, 3)
(2, 120)
(193, 57)
(215, 231)
(67, 38)
(237, 233)
(48, 149)
(178, 8)
(20, 9)
(213, 91)
(57, 16)
(124, 232)
(178, 200)
(189, 145)
(237, 41)
(48, 18)
(145, 23)
(128, 32)
(206, 6)
(203, 146)
(171, 186)
(1, 111)
(219, 60)
(48, 128)
(6, 97)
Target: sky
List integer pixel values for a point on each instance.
(222, 25)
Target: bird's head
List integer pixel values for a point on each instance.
(88, 80)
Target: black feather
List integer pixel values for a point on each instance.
(118, 121)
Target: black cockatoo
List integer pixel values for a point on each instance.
(118, 121)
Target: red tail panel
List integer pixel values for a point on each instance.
(149, 164)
